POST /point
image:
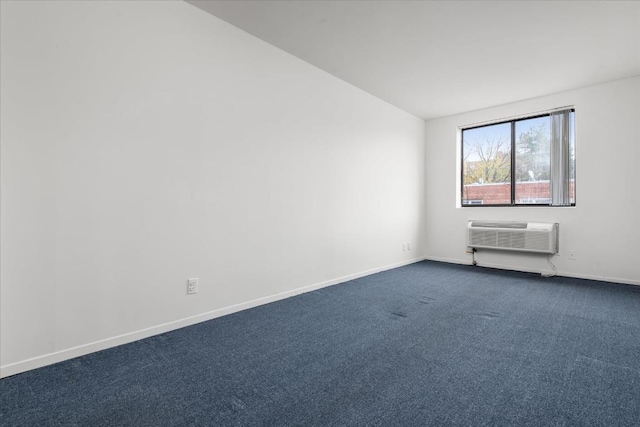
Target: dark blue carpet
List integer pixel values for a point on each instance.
(426, 344)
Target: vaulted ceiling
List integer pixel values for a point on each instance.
(437, 58)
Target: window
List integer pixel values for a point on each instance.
(528, 161)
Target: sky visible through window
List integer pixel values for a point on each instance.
(477, 141)
(486, 134)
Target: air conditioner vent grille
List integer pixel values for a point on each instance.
(533, 237)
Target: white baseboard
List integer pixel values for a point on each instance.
(70, 353)
(560, 273)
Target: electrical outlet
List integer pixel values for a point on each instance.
(408, 246)
(572, 255)
(192, 286)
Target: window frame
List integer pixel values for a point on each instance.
(512, 156)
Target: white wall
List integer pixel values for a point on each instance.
(602, 228)
(144, 143)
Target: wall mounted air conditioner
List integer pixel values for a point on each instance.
(540, 237)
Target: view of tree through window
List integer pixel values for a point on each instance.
(510, 163)
(487, 162)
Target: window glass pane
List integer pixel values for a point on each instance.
(572, 158)
(486, 165)
(533, 161)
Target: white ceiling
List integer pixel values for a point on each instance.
(437, 58)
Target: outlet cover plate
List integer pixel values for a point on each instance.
(192, 286)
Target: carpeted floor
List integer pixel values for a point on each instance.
(426, 344)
